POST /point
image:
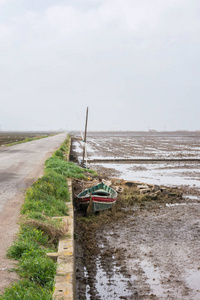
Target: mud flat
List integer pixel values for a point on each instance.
(8, 137)
(149, 249)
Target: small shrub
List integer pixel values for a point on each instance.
(33, 233)
(38, 269)
(20, 247)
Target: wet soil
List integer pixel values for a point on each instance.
(160, 251)
(135, 250)
(142, 248)
(13, 137)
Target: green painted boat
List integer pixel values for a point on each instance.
(98, 197)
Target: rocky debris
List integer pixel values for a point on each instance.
(118, 189)
(156, 187)
(152, 196)
(131, 183)
(164, 191)
(107, 182)
(145, 191)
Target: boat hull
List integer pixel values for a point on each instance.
(98, 202)
(97, 206)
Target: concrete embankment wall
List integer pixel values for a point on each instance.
(65, 276)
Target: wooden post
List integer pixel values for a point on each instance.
(84, 141)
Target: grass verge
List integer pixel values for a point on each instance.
(39, 232)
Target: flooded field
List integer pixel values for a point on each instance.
(153, 250)
(149, 146)
(8, 137)
(142, 145)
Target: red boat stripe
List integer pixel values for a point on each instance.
(98, 199)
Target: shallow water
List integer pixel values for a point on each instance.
(110, 286)
(180, 204)
(193, 280)
(172, 174)
(153, 277)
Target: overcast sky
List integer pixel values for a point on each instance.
(136, 64)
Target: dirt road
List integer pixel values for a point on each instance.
(20, 165)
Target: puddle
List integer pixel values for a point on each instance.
(78, 147)
(175, 204)
(180, 204)
(157, 174)
(134, 208)
(153, 278)
(191, 197)
(193, 281)
(111, 285)
(87, 295)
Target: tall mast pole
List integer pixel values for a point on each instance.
(84, 141)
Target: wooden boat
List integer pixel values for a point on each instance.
(98, 197)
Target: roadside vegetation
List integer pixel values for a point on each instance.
(40, 231)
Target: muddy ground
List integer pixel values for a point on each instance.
(13, 137)
(147, 249)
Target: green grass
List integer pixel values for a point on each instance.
(29, 239)
(38, 269)
(68, 169)
(47, 195)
